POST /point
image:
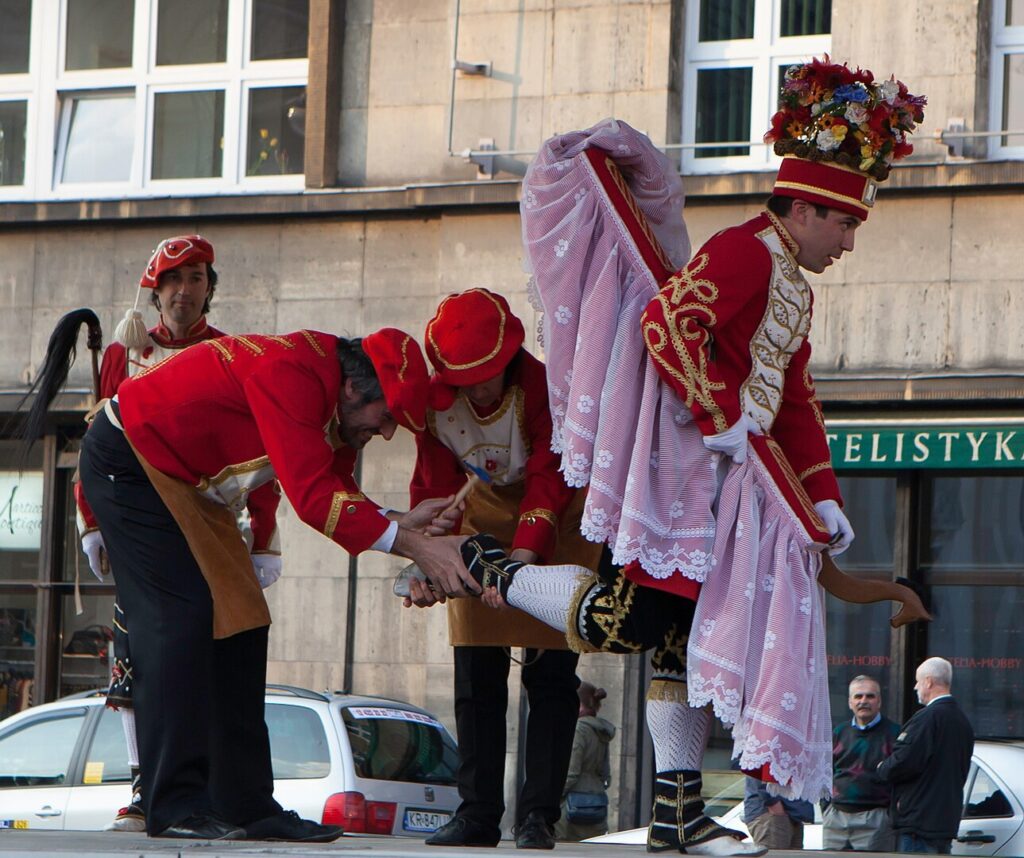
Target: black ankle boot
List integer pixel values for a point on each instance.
(678, 819)
(488, 562)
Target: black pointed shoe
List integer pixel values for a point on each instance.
(463, 831)
(288, 826)
(202, 826)
(534, 832)
(489, 563)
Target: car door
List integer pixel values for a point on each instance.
(36, 759)
(105, 783)
(991, 814)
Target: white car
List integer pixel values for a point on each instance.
(991, 822)
(371, 765)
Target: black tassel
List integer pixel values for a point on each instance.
(60, 355)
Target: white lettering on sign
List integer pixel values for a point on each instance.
(1002, 446)
(876, 439)
(920, 444)
(852, 447)
(948, 438)
(899, 447)
(976, 444)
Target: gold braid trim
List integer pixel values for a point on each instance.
(251, 345)
(667, 690)
(532, 515)
(313, 344)
(572, 634)
(281, 341)
(225, 352)
(335, 513)
(821, 466)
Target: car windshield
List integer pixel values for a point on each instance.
(399, 745)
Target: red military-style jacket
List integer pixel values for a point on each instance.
(229, 415)
(520, 450)
(118, 366)
(729, 333)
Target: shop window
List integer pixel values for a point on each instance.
(1007, 98)
(14, 36)
(971, 557)
(736, 52)
(858, 636)
(191, 31)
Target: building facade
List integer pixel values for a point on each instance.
(354, 162)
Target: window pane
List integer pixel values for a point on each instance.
(972, 523)
(39, 754)
(298, 744)
(17, 652)
(191, 31)
(978, 629)
(276, 130)
(1014, 13)
(1013, 98)
(100, 139)
(88, 642)
(805, 17)
(857, 641)
(280, 29)
(870, 504)
(986, 799)
(726, 19)
(14, 35)
(723, 110)
(396, 745)
(188, 132)
(109, 750)
(99, 34)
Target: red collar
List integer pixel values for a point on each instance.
(199, 331)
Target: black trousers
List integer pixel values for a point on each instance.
(481, 704)
(203, 742)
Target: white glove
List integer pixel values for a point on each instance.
(733, 441)
(96, 551)
(267, 568)
(837, 524)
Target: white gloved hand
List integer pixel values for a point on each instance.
(837, 524)
(96, 551)
(733, 441)
(267, 568)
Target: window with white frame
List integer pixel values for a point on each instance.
(735, 53)
(152, 97)
(1007, 107)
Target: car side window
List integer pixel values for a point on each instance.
(986, 799)
(298, 744)
(107, 761)
(39, 753)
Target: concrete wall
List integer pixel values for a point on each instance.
(557, 66)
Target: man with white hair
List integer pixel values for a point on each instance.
(929, 765)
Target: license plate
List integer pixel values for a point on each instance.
(424, 820)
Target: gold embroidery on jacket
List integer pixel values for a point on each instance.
(313, 343)
(335, 513)
(281, 341)
(225, 352)
(251, 345)
(531, 516)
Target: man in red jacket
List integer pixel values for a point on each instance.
(165, 465)
(181, 279)
(490, 410)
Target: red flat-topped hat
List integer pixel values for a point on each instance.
(172, 253)
(839, 132)
(402, 373)
(472, 337)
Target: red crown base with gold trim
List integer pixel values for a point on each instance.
(826, 183)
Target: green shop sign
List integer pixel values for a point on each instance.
(876, 446)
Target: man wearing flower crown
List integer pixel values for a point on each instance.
(711, 477)
(489, 409)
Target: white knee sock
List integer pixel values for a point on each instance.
(128, 724)
(544, 592)
(680, 734)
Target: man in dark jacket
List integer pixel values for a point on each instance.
(929, 765)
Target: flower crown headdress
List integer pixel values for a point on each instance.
(829, 112)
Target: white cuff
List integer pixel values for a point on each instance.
(386, 541)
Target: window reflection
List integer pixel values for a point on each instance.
(188, 134)
(280, 29)
(99, 134)
(15, 35)
(191, 31)
(12, 142)
(276, 130)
